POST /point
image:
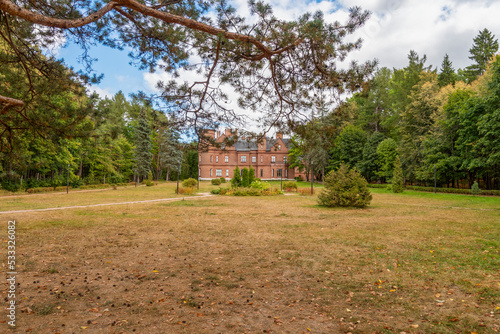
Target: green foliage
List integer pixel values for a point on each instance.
(447, 75)
(236, 180)
(397, 178)
(349, 147)
(189, 183)
(247, 191)
(475, 189)
(258, 184)
(222, 180)
(386, 155)
(345, 188)
(216, 182)
(245, 180)
(251, 175)
(290, 185)
(143, 153)
(485, 46)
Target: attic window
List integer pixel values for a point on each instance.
(279, 147)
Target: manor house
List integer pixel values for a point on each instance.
(268, 157)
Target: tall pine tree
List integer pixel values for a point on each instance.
(143, 154)
(485, 46)
(447, 75)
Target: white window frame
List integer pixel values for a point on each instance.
(218, 172)
(261, 158)
(226, 158)
(227, 172)
(217, 158)
(210, 172)
(273, 158)
(254, 159)
(243, 158)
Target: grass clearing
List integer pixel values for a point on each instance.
(227, 264)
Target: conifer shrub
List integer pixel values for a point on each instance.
(475, 189)
(222, 180)
(290, 186)
(345, 188)
(149, 181)
(397, 178)
(245, 180)
(189, 183)
(216, 182)
(251, 175)
(236, 180)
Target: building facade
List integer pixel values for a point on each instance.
(268, 158)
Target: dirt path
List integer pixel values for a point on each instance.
(107, 204)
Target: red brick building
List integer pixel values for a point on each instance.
(268, 158)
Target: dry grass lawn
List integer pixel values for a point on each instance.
(410, 263)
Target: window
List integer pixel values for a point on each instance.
(199, 172)
(226, 159)
(278, 172)
(261, 173)
(285, 158)
(217, 159)
(261, 158)
(227, 172)
(279, 147)
(261, 146)
(286, 173)
(273, 173)
(273, 159)
(210, 172)
(243, 158)
(211, 158)
(200, 157)
(254, 159)
(218, 172)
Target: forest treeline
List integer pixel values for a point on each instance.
(442, 123)
(442, 120)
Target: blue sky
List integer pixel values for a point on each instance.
(431, 27)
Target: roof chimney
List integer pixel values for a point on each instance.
(279, 135)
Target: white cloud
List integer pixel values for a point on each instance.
(103, 92)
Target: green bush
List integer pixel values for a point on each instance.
(149, 183)
(290, 186)
(216, 182)
(258, 184)
(215, 191)
(246, 191)
(189, 183)
(222, 180)
(251, 175)
(345, 188)
(397, 178)
(475, 189)
(245, 180)
(236, 180)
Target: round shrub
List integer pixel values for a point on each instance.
(189, 183)
(222, 180)
(216, 182)
(346, 188)
(290, 186)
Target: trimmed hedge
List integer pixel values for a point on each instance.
(246, 191)
(440, 190)
(189, 183)
(216, 182)
(290, 186)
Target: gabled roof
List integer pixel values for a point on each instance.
(244, 145)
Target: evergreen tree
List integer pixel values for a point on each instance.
(244, 178)
(485, 46)
(447, 75)
(369, 166)
(397, 178)
(236, 180)
(143, 153)
(251, 175)
(169, 151)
